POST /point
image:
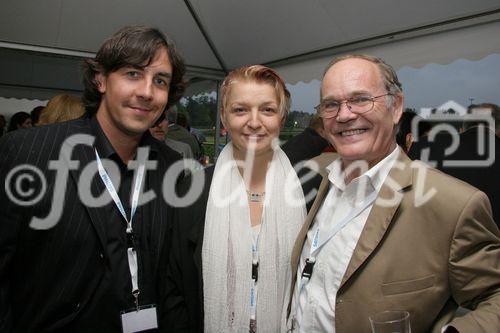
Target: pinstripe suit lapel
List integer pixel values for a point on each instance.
(84, 154)
(301, 238)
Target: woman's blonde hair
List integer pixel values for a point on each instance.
(259, 74)
(62, 108)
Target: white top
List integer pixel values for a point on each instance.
(315, 309)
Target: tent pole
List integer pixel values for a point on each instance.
(205, 34)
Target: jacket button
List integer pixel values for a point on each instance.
(77, 306)
(339, 301)
(101, 255)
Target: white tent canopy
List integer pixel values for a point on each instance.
(472, 43)
(294, 35)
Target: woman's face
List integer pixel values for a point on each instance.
(251, 117)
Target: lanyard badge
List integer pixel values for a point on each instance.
(131, 241)
(139, 318)
(255, 277)
(316, 246)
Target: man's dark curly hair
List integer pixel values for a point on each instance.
(133, 46)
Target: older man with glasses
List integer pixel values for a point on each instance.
(385, 233)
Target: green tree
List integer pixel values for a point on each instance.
(200, 110)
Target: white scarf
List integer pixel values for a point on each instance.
(227, 246)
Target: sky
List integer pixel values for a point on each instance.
(429, 86)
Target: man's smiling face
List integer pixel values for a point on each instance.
(368, 136)
(134, 98)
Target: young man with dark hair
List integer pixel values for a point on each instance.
(90, 247)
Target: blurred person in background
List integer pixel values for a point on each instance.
(309, 143)
(159, 131)
(477, 146)
(2, 124)
(496, 116)
(20, 120)
(62, 108)
(198, 134)
(177, 123)
(404, 136)
(35, 114)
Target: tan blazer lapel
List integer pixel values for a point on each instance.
(299, 242)
(382, 213)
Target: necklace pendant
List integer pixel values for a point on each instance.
(256, 197)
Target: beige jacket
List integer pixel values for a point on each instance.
(426, 258)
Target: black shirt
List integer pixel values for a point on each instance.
(305, 145)
(115, 292)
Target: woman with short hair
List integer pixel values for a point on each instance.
(230, 261)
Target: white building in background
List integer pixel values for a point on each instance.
(443, 109)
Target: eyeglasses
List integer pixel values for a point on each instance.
(359, 104)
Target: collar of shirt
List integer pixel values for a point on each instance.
(105, 148)
(363, 185)
(101, 142)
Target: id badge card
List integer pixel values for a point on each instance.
(138, 320)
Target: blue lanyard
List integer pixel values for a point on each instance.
(114, 195)
(131, 251)
(317, 244)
